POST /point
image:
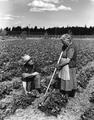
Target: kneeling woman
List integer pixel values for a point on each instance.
(30, 78)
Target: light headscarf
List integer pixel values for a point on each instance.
(66, 37)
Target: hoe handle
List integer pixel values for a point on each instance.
(53, 74)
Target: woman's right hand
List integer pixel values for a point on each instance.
(24, 75)
(57, 66)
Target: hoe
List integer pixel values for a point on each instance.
(40, 101)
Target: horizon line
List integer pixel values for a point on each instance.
(47, 27)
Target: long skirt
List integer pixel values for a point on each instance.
(68, 85)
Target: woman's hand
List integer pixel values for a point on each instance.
(58, 66)
(24, 75)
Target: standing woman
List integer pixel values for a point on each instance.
(68, 87)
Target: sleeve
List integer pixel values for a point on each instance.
(70, 53)
(64, 61)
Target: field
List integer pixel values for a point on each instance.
(45, 53)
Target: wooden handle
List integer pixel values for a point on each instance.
(53, 74)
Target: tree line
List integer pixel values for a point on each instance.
(75, 30)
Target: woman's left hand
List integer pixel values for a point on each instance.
(57, 66)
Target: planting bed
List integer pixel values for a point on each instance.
(45, 53)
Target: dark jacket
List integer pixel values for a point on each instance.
(28, 68)
(72, 63)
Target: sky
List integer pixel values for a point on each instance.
(46, 13)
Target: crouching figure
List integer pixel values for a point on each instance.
(30, 78)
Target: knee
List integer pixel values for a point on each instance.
(38, 76)
(24, 84)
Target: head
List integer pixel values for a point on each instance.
(26, 58)
(66, 39)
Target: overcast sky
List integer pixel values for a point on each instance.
(46, 13)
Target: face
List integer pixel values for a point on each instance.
(23, 61)
(66, 43)
(31, 62)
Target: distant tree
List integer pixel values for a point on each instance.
(26, 29)
(35, 28)
(76, 30)
(8, 30)
(16, 30)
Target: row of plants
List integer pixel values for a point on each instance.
(55, 100)
(45, 54)
(89, 113)
(13, 97)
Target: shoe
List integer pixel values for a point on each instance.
(39, 90)
(78, 90)
(72, 93)
(66, 96)
(63, 92)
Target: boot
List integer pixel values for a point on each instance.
(72, 93)
(63, 92)
(39, 90)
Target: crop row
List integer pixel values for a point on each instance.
(45, 54)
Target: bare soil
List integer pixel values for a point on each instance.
(74, 109)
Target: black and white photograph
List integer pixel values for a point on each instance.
(46, 59)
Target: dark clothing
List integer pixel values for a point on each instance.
(28, 68)
(72, 63)
(64, 47)
(68, 85)
(68, 53)
(32, 82)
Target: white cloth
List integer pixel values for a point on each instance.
(24, 75)
(35, 73)
(24, 85)
(64, 72)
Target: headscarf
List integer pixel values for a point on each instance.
(66, 37)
